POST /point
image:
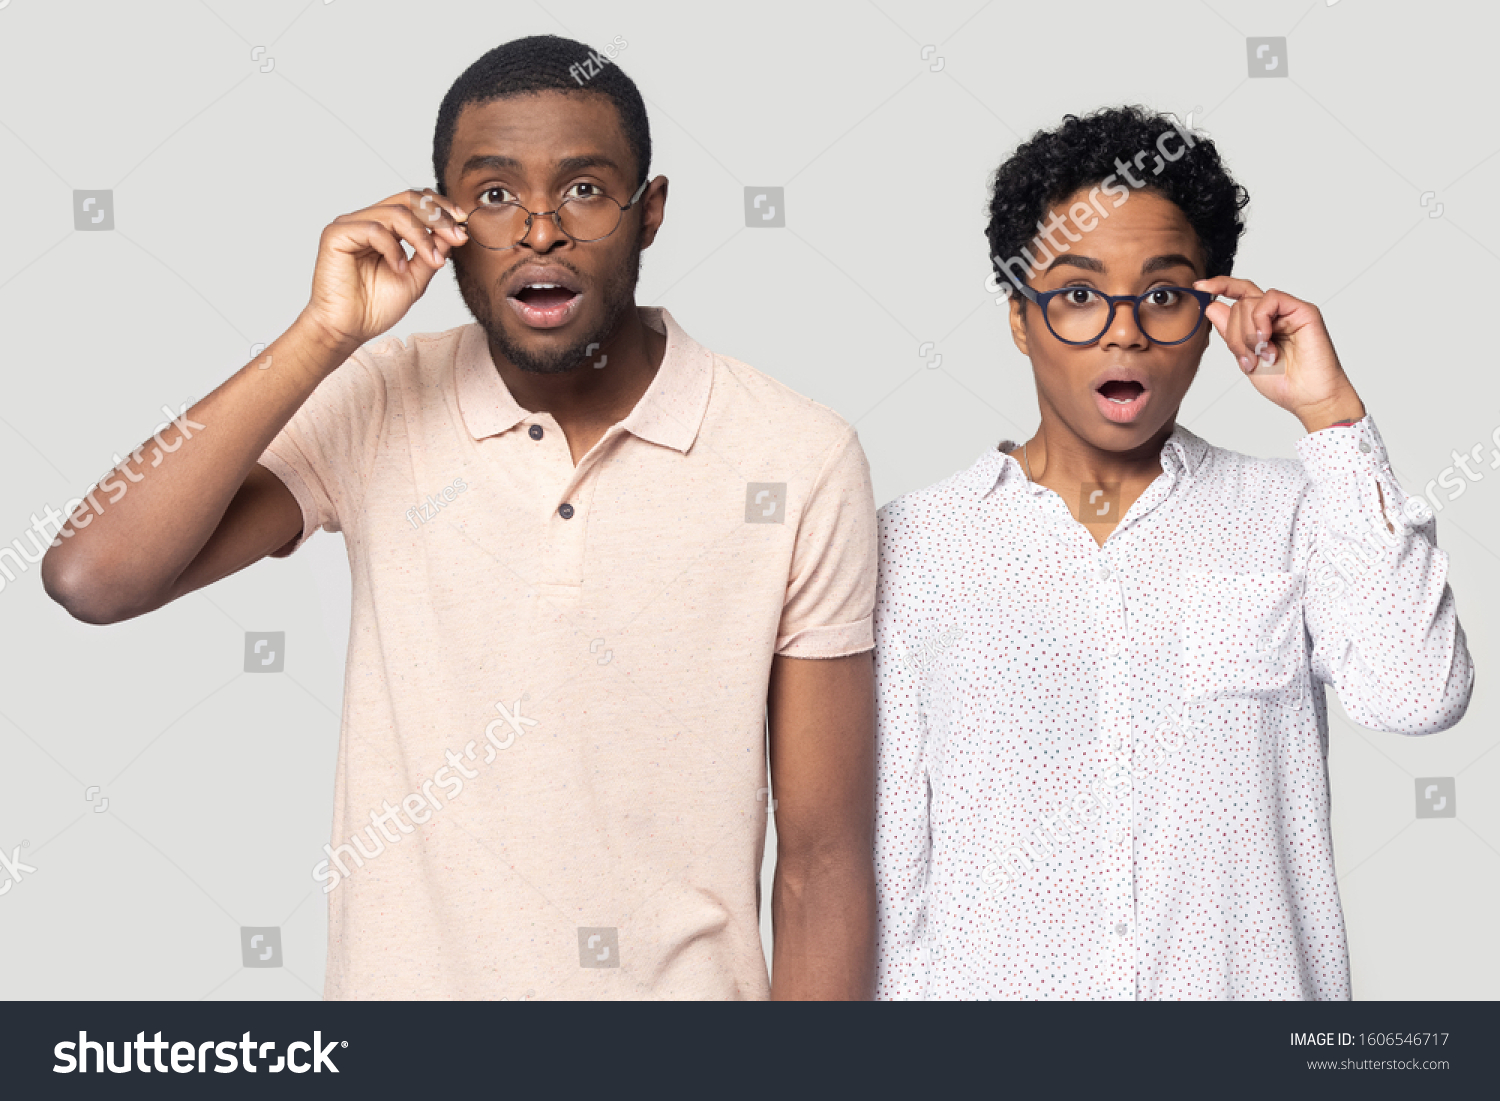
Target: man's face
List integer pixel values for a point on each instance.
(538, 149)
(1118, 392)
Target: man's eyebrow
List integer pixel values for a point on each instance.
(1170, 260)
(1087, 263)
(497, 162)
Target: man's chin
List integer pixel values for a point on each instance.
(548, 352)
(556, 360)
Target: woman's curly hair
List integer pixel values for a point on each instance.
(1083, 152)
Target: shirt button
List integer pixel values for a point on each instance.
(565, 511)
(535, 431)
(1114, 650)
(1364, 445)
(1120, 929)
(1103, 573)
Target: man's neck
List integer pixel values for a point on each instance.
(597, 393)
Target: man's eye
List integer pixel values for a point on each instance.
(504, 196)
(589, 190)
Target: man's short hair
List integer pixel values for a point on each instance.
(542, 63)
(1082, 152)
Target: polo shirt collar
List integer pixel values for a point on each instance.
(669, 413)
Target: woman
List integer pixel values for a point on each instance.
(1101, 653)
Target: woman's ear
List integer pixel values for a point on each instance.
(1018, 323)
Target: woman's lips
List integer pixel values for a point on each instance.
(1121, 402)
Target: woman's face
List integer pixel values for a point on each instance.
(1118, 392)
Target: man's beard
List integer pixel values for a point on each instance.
(618, 293)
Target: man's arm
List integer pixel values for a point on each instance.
(203, 508)
(203, 511)
(822, 720)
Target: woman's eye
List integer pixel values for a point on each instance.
(1164, 296)
(1079, 296)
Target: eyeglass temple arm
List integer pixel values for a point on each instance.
(638, 192)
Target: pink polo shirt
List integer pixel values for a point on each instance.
(551, 776)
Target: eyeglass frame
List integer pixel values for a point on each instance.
(556, 217)
(1042, 298)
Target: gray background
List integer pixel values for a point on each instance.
(219, 782)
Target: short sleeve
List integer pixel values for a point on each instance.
(322, 453)
(830, 599)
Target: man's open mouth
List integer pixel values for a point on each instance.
(543, 304)
(545, 296)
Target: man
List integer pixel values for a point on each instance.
(590, 559)
(1101, 726)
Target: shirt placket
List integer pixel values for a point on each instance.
(1115, 733)
(567, 526)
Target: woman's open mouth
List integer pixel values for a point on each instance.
(1120, 400)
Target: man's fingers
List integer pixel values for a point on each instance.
(425, 244)
(438, 214)
(374, 235)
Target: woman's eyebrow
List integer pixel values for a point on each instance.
(1170, 260)
(1087, 263)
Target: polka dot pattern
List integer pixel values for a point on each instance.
(1102, 770)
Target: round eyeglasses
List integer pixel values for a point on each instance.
(1082, 315)
(584, 218)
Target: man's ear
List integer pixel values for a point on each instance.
(1018, 323)
(654, 202)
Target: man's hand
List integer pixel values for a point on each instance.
(822, 719)
(1283, 345)
(363, 283)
